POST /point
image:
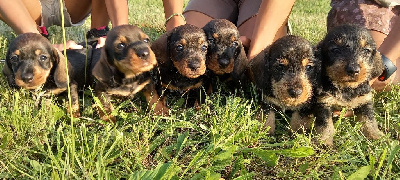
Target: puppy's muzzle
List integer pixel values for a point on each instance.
(295, 92)
(224, 62)
(353, 69)
(27, 74)
(194, 65)
(142, 53)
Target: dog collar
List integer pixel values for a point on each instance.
(390, 68)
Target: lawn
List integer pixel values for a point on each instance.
(221, 140)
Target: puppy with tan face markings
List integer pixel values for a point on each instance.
(349, 62)
(226, 59)
(286, 76)
(124, 69)
(181, 58)
(33, 63)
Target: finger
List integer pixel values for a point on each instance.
(101, 42)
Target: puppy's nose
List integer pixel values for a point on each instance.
(353, 70)
(27, 77)
(224, 62)
(142, 53)
(194, 65)
(295, 92)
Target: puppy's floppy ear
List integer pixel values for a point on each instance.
(377, 65)
(103, 71)
(160, 48)
(60, 72)
(241, 65)
(258, 66)
(7, 71)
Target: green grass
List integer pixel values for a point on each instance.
(223, 139)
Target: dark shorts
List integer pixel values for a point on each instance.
(366, 13)
(236, 11)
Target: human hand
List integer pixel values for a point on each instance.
(68, 45)
(101, 42)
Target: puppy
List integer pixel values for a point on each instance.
(181, 57)
(33, 63)
(286, 75)
(124, 67)
(349, 62)
(226, 58)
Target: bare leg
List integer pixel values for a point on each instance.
(79, 9)
(197, 18)
(117, 11)
(246, 31)
(21, 15)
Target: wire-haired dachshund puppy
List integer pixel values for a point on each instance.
(181, 57)
(124, 69)
(349, 62)
(226, 58)
(286, 75)
(33, 63)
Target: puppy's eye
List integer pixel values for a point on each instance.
(120, 46)
(147, 40)
(203, 48)
(43, 57)
(14, 58)
(335, 50)
(179, 47)
(309, 66)
(235, 44)
(211, 40)
(367, 51)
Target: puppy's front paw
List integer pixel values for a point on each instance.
(371, 130)
(325, 133)
(161, 109)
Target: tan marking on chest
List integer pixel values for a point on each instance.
(331, 100)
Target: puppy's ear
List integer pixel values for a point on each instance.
(8, 73)
(377, 65)
(241, 65)
(103, 71)
(160, 48)
(258, 66)
(60, 73)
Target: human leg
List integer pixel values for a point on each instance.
(200, 12)
(79, 9)
(21, 15)
(246, 31)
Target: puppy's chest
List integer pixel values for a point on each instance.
(130, 86)
(171, 79)
(347, 97)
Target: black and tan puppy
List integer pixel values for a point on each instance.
(181, 57)
(226, 58)
(349, 61)
(33, 63)
(124, 69)
(286, 75)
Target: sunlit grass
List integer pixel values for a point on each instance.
(221, 140)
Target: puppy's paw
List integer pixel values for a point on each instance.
(371, 130)
(325, 135)
(161, 109)
(269, 121)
